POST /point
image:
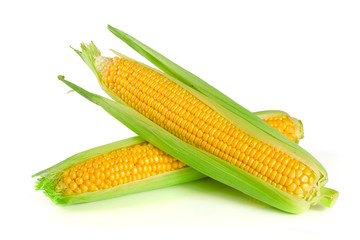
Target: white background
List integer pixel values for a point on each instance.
(302, 57)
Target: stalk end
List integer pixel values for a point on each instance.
(327, 197)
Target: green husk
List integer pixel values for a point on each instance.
(196, 158)
(51, 176)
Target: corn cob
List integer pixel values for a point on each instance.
(239, 149)
(119, 168)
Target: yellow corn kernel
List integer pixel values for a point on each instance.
(185, 116)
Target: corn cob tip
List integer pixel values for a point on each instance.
(101, 64)
(299, 129)
(290, 126)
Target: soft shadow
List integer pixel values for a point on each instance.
(136, 200)
(166, 195)
(318, 208)
(216, 189)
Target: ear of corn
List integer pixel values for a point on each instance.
(206, 162)
(110, 171)
(253, 158)
(54, 181)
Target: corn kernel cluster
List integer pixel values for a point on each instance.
(117, 167)
(284, 124)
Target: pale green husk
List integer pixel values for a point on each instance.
(51, 176)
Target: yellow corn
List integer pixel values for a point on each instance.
(134, 163)
(179, 112)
